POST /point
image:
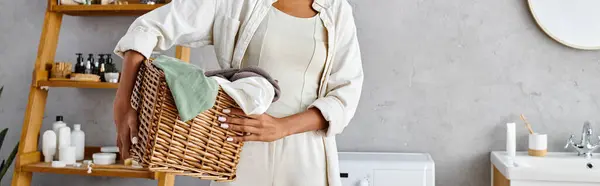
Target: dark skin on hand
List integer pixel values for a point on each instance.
(264, 127)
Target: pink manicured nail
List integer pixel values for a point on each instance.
(226, 111)
(221, 119)
(225, 125)
(230, 139)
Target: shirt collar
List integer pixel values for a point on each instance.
(318, 5)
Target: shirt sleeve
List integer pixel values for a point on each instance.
(344, 85)
(181, 22)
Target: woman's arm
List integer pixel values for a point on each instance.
(126, 119)
(268, 128)
(179, 22)
(344, 85)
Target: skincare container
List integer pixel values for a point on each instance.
(56, 127)
(78, 141)
(104, 158)
(510, 142)
(49, 145)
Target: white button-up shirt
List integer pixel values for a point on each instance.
(229, 25)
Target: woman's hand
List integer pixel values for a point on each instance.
(126, 121)
(263, 127)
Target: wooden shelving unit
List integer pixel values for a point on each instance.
(77, 84)
(29, 159)
(104, 10)
(114, 171)
(117, 170)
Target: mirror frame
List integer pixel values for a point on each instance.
(555, 38)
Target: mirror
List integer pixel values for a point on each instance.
(575, 23)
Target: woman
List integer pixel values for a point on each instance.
(309, 46)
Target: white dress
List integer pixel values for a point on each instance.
(293, 50)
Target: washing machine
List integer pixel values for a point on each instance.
(386, 169)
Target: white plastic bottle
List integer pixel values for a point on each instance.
(49, 145)
(67, 155)
(59, 123)
(511, 143)
(78, 141)
(64, 139)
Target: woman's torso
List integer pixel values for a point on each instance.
(293, 51)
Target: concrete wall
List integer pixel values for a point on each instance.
(441, 77)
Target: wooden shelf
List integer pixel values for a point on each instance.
(104, 10)
(77, 84)
(97, 170)
(116, 170)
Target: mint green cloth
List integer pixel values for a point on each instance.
(192, 91)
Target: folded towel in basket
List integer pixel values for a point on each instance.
(235, 74)
(192, 91)
(253, 94)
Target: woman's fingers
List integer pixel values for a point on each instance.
(125, 142)
(241, 128)
(240, 121)
(237, 112)
(234, 111)
(133, 126)
(127, 129)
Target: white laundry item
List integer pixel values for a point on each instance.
(253, 94)
(293, 51)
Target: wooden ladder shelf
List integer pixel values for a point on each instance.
(29, 159)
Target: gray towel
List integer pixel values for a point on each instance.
(235, 74)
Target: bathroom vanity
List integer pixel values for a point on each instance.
(555, 169)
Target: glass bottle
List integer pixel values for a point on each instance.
(88, 67)
(95, 65)
(108, 59)
(80, 65)
(89, 64)
(101, 68)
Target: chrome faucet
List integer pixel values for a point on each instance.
(585, 147)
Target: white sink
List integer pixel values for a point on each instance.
(560, 168)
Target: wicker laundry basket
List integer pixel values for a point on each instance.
(196, 148)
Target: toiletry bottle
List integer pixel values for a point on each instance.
(67, 155)
(59, 123)
(90, 61)
(511, 143)
(95, 65)
(64, 139)
(78, 140)
(88, 67)
(109, 59)
(49, 145)
(101, 68)
(80, 66)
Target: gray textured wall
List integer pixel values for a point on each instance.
(441, 77)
